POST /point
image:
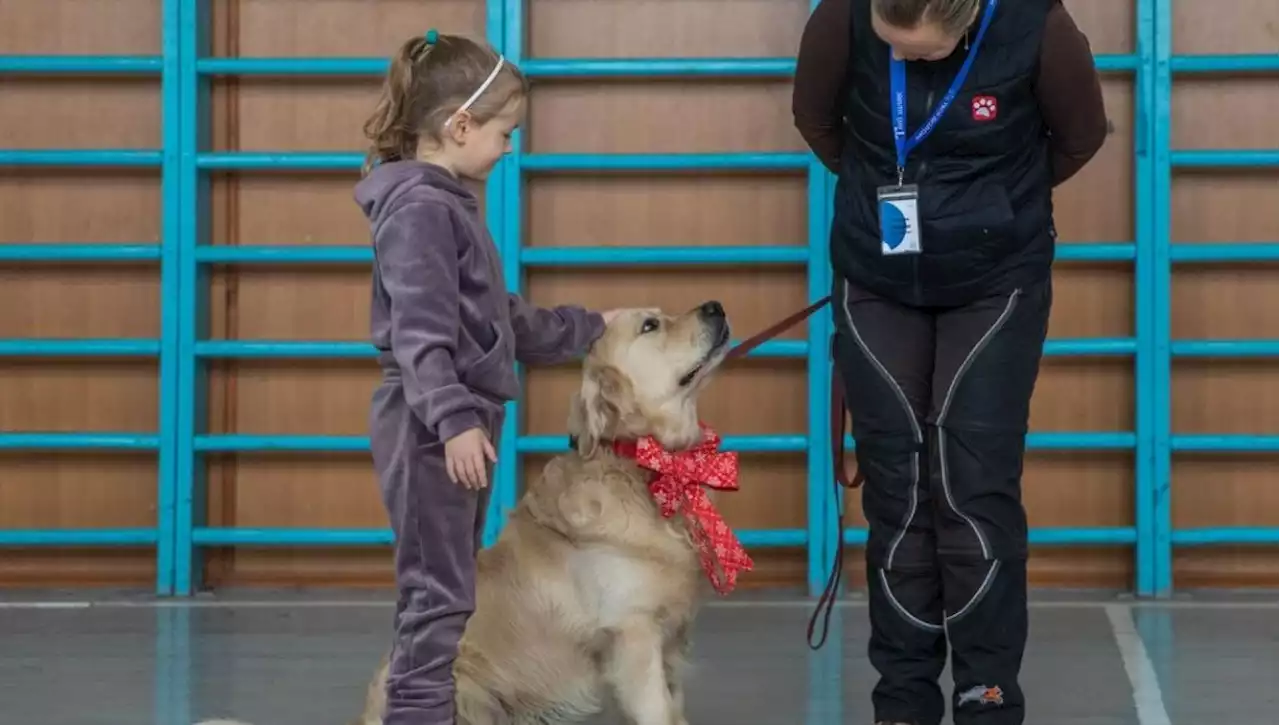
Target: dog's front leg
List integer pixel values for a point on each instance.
(634, 669)
(675, 658)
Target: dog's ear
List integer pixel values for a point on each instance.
(596, 410)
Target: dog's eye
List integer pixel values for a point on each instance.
(649, 325)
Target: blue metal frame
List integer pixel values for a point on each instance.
(191, 496)
(1144, 327)
(508, 38)
(184, 257)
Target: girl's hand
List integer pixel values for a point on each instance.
(609, 315)
(464, 458)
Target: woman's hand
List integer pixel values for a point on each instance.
(464, 458)
(610, 315)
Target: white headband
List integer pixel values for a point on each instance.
(487, 82)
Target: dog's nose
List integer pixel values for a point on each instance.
(711, 309)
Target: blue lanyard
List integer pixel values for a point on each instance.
(898, 95)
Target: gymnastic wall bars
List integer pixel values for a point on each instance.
(183, 256)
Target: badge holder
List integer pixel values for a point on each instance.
(899, 219)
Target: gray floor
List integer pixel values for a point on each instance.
(274, 658)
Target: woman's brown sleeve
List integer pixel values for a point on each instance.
(1069, 93)
(816, 98)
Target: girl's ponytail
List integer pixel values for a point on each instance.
(391, 130)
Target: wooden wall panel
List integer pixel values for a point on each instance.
(661, 117)
(635, 210)
(1225, 301)
(73, 27)
(341, 27)
(642, 29)
(75, 490)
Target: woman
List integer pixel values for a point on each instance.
(948, 123)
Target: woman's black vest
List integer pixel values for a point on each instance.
(986, 206)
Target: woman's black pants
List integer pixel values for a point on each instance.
(939, 400)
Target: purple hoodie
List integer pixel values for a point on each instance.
(441, 312)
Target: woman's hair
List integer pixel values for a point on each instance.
(953, 15)
(430, 78)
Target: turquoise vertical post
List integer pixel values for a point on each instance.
(192, 230)
(495, 21)
(826, 680)
(822, 532)
(1143, 270)
(494, 193)
(1161, 299)
(826, 690)
(507, 477)
(171, 133)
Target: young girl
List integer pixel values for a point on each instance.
(449, 334)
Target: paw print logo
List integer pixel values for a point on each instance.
(984, 108)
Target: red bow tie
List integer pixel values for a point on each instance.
(680, 485)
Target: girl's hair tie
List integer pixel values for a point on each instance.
(432, 36)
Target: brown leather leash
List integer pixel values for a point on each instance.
(842, 475)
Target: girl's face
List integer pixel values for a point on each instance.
(479, 146)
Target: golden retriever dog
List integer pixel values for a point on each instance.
(590, 590)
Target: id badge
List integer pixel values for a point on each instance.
(899, 219)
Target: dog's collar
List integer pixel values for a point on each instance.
(573, 442)
(613, 444)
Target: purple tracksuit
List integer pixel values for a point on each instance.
(449, 335)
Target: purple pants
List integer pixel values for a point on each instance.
(437, 526)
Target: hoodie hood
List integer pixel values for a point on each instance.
(378, 192)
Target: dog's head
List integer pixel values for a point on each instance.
(643, 376)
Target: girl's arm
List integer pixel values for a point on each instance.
(555, 335)
(816, 96)
(417, 257)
